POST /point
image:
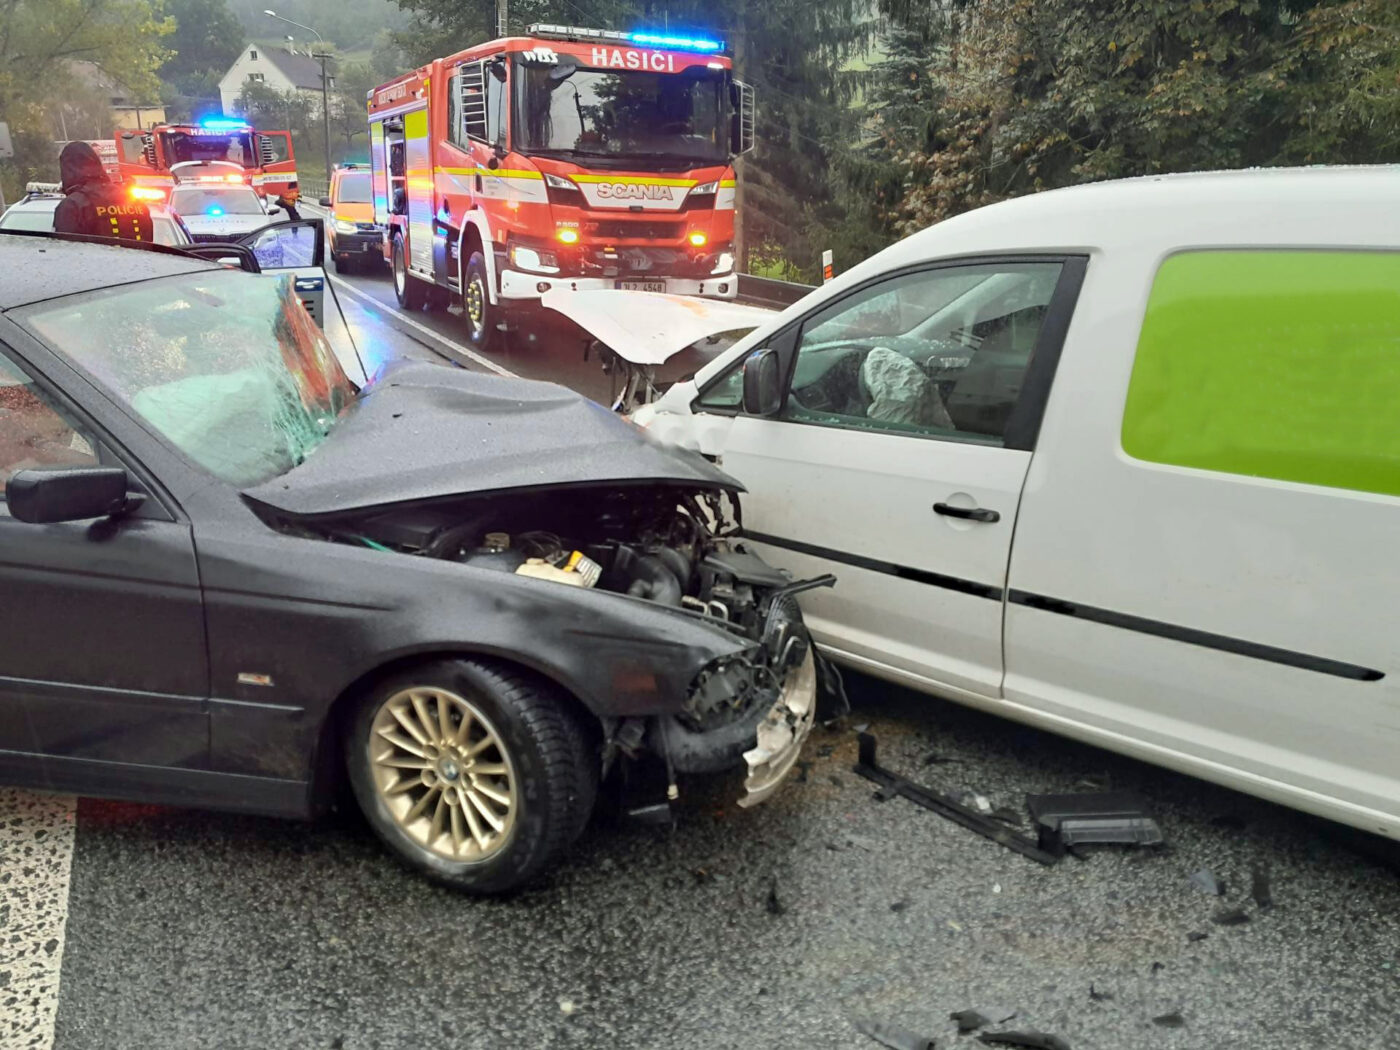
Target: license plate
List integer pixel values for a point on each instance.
(642, 286)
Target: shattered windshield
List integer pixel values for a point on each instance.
(597, 112)
(228, 367)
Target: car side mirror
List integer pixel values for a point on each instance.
(763, 388)
(42, 497)
(325, 202)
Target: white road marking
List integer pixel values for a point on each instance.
(36, 857)
(399, 317)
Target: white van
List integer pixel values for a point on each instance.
(1120, 461)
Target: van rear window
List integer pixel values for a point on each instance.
(1282, 365)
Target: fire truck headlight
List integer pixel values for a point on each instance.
(567, 236)
(704, 188)
(725, 263)
(341, 226)
(533, 260)
(698, 239)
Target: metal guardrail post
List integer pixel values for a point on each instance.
(767, 291)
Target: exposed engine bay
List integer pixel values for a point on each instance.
(664, 544)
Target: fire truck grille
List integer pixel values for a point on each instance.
(621, 229)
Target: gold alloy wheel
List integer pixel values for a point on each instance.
(444, 774)
(476, 306)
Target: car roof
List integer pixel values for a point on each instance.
(36, 202)
(1355, 206)
(39, 266)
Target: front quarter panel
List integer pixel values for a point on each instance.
(310, 618)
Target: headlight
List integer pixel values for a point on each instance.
(705, 187)
(341, 226)
(559, 182)
(724, 263)
(533, 259)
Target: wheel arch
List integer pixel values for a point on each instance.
(476, 235)
(328, 767)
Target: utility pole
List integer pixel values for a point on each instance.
(325, 85)
(501, 18)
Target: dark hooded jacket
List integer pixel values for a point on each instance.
(93, 204)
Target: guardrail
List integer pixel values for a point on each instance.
(768, 291)
(314, 191)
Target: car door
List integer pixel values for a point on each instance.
(297, 250)
(103, 655)
(897, 455)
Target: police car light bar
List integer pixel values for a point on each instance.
(549, 31)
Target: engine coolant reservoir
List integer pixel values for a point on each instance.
(578, 570)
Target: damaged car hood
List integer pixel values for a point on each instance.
(650, 328)
(426, 431)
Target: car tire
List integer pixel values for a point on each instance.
(413, 777)
(477, 311)
(409, 290)
(342, 264)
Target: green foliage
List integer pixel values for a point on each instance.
(206, 40)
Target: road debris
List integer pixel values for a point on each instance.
(1197, 935)
(1206, 882)
(892, 1036)
(568, 1007)
(1031, 1040)
(899, 905)
(1171, 1020)
(1260, 890)
(892, 784)
(1100, 997)
(1230, 917)
(1093, 818)
(774, 905)
(969, 1021)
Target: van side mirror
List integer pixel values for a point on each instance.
(42, 497)
(763, 388)
(325, 202)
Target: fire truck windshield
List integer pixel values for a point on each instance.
(604, 113)
(234, 146)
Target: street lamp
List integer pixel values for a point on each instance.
(325, 103)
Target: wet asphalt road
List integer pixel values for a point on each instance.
(193, 929)
(772, 928)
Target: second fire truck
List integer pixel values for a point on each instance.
(145, 158)
(569, 158)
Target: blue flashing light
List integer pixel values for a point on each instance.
(677, 43)
(214, 210)
(223, 124)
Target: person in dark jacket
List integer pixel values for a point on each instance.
(95, 205)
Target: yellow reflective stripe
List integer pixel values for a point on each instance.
(726, 184)
(498, 173)
(633, 180)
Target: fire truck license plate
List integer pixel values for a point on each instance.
(642, 286)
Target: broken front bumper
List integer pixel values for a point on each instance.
(781, 733)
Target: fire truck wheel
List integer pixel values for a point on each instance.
(476, 304)
(343, 264)
(410, 291)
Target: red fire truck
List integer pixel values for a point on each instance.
(145, 157)
(569, 158)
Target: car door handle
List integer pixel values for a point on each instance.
(970, 513)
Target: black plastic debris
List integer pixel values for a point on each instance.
(1171, 1020)
(802, 770)
(969, 1021)
(1260, 890)
(775, 906)
(1105, 817)
(1158, 967)
(899, 905)
(1100, 997)
(893, 1036)
(891, 784)
(933, 758)
(1032, 1040)
(1197, 935)
(1206, 882)
(1230, 917)
(1006, 815)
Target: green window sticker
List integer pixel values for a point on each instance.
(1272, 364)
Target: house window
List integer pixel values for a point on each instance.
(256, 76)
(253, 55)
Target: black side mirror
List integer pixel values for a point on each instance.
(325, 202)
(74, 494)
(763, 388)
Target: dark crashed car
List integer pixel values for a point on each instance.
(235, 578)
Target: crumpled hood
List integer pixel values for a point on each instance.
(77, 164)
(425, 431)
